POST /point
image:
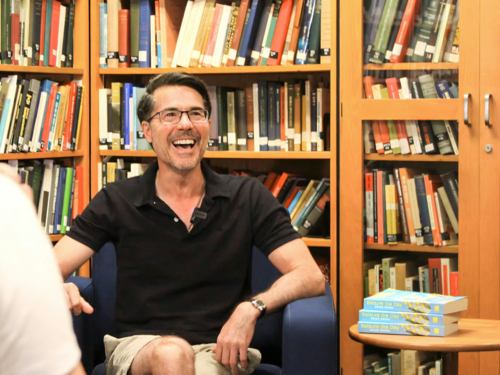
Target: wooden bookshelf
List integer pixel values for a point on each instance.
(479, 237)
(41, 69)
(43, 155)
(228, 154)
(56, 237)
(224, 70)
(414, 248)
(413, 158)
(412, 66)
(229, 76)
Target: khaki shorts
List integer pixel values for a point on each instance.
(121, 352)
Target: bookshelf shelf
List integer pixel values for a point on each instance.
(56, 237)
(42, 155)
(317, 242)
(40, 70)
(225, 70)
(412, 66)
(413, 158)
(229, 154)
(414, 248)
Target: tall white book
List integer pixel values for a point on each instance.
(221, 36)
(103, 118)
(182, 32)
(190, 33)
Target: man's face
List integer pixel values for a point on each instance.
(170, 141)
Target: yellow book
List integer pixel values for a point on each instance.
(115, 114)
(61, 118)
(207, 33)
(110, 171)
(200, 36)
(310, 189)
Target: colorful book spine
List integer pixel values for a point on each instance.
(303, 42)
(406, 329)
(314, 38)
(250, 32)
(145, 13)
(380, 46)
(405, 317)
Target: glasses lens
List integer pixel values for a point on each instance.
(170, 117)
(196, 115)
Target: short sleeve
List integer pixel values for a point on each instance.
(93, 227)
(36, 333)
(271, 225)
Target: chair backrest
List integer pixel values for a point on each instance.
(268, 332)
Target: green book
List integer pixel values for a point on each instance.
(231, 122)
(387, 263)
(416, 30)
(427, 286)
(269, 40)
(70, 45)
(384, 31)
(315, 36)
(425, 31)
(48, 23)
(134, 33)
(320, 189)
(67, 194)
(6, 32)
(391, 126)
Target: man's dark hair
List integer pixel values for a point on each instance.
(147, 104)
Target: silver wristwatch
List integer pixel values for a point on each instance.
(259, 305)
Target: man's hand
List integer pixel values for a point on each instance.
(76, 303)
(9, 172)
(235, 337)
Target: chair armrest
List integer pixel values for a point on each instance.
(82, 324)
(310, 336)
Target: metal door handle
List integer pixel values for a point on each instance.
(466, 109)
(487, 99)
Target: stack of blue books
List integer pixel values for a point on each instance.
(396, 312)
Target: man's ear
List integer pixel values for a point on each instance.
(146, 128)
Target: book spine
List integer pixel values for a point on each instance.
(430, 48)
(424, 210)
(144, 34)
(64, 50)
(401, 329)
(231, 122)
(263, 108)
(369, 207)
(241, 120)
(377, 54)
(238, 31)
(398, 317)
(256, 118)
(269, 35)
(115, 115)
(394, 29)
(157, 29)
(405, 31)
(213, 140)
(303, 41)
(212, 38)
(450, 183)
(195, 17)
(264, 24)
(249, 118)
(400, 198)
(123, 38)
(71, 31)
(134, 33)
(297, 24)
(271, 116)
(314, 39)
(103, 34)
(315, 214)
(425, 31)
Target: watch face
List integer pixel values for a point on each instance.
(259, 304)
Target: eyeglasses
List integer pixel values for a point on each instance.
(172, 117)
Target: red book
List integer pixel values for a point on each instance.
(78, 193)
(54, 33)
(280, 33)
(432, 183)
(279, 184)
(282, 118)
(42, 32)
(15, 38)
(70, 115)
(291, 196)
(405, 31)
(249, 102)
(212, 37)
(124, 38)
(393, 86)
(271, 177)
(380, 207)
(435, 275)
(454, 284)
(369, 189)
(48, 117)
(238, 29)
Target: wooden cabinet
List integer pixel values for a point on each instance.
(478, 170)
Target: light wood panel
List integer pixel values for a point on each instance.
(317, 242)
(412, 66)
(489, 229)
(413, 158)
(414, 248)
(41, 69)
(56, 237)
(230, 154)
(351, 178)
(223, 70)
(423, 109)
(43, 155)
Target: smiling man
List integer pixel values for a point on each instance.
(183, 237)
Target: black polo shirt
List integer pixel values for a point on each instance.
(171, 281)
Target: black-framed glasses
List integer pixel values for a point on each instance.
(172, 117)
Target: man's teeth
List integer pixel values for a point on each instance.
(184, 142)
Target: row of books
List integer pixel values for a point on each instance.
(268, 116)
(205, 33)
(410, 136)
(57, 192)
(39, 116)
(37, 32)
(305, 199)
(433, 275)
(112, 171)
(396, 312)
(405, 204)
(399, 31)
(407, 362)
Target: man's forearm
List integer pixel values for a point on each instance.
(297, 284)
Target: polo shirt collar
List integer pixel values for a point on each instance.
(215, 184)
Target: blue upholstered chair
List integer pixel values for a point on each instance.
(302, 339)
